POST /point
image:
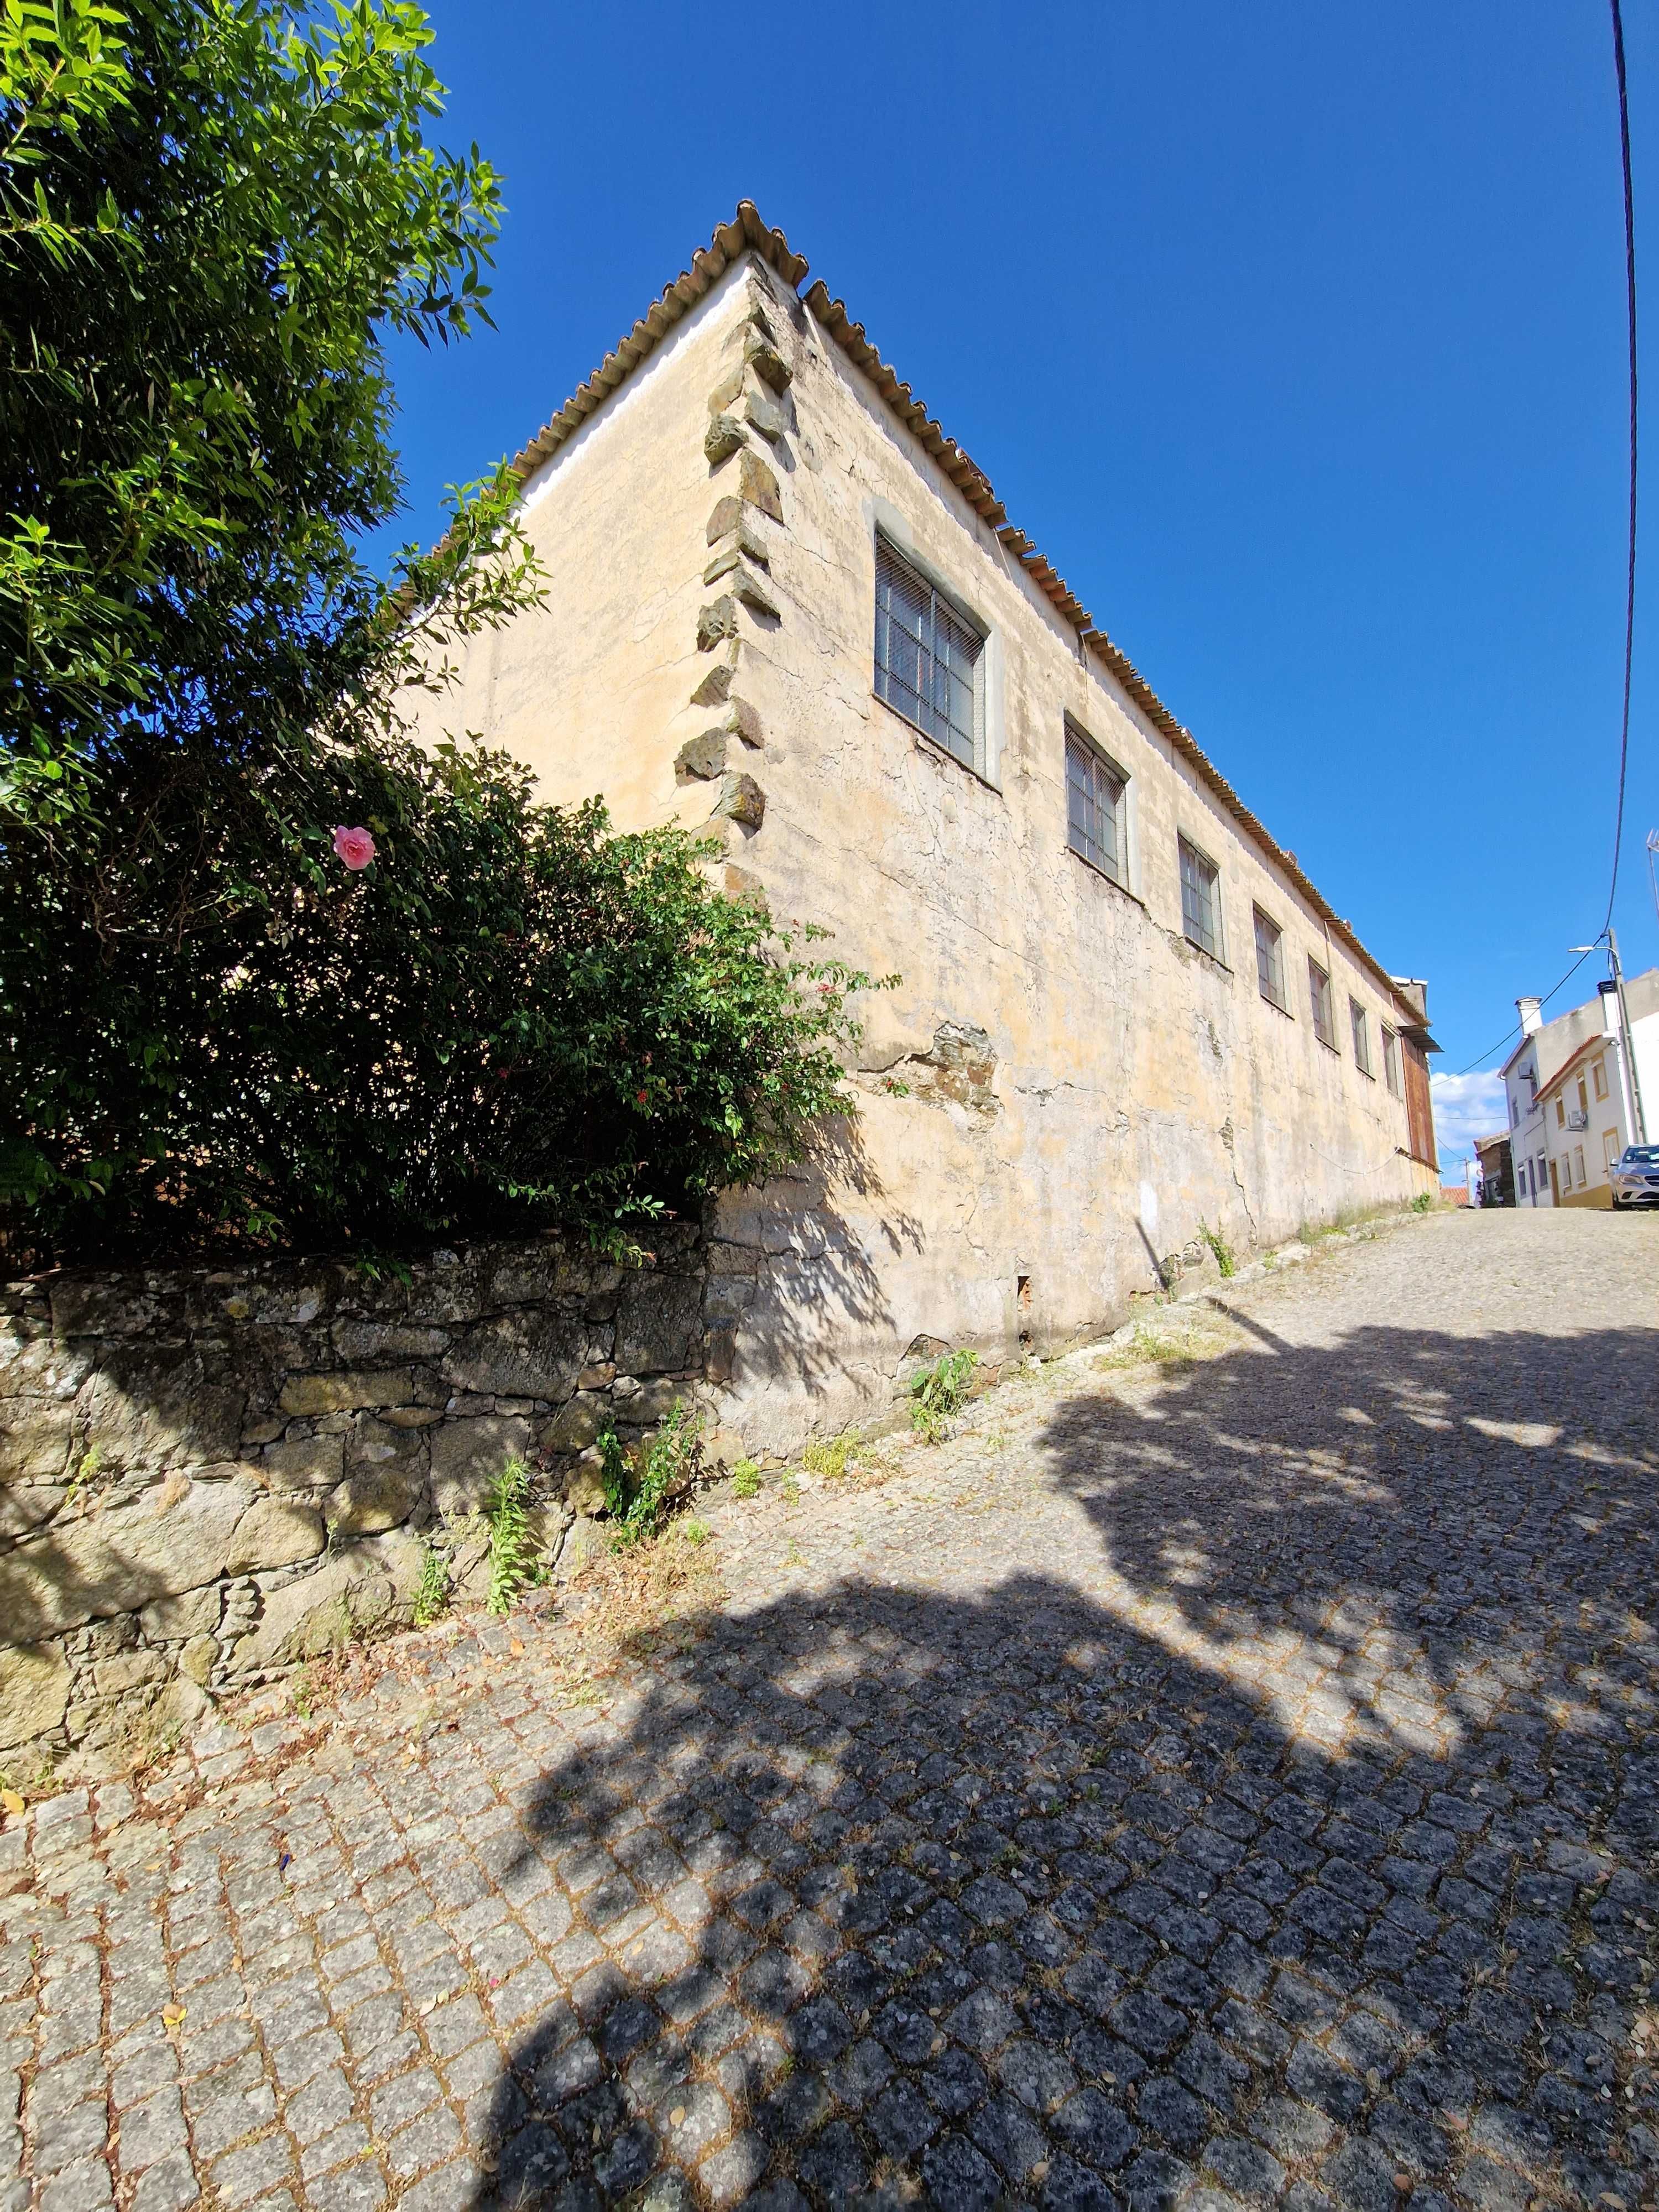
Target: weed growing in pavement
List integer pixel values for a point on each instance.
(1424, 1202)
(512, 1549)
(1221, 1250)
(651, 1592)
(91, 1459)
(826, 1456)
(1144, 1344)
(745, 1478)
(432, 1590)
(789, 1489)
(937, 1394)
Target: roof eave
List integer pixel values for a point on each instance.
(747, 234)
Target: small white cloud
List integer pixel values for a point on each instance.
(1466, 1106)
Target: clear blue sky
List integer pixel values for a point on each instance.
(1293, 334)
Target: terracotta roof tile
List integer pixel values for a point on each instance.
(746, 232)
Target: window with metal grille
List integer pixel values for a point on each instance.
(928, 658)
(1391, 1061)
(1362, 1037)
(1201, 900)
(1270, 960)
(1095, 826)
(1319, 998)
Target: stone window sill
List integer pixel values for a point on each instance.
(1211, 959)
(932, 747)
(1101, 876)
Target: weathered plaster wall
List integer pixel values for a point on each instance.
(1063, 1088)
(204, 1477)
(593, 687)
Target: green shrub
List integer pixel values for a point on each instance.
(514, 1017)
(511, 1554)
(1424, 1202)
(745, 1478)
(938, 1393)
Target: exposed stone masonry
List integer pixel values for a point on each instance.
(207, 1475)
(751, 400)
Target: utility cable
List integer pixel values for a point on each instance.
(1629, 581)
(1515, 1027)
(1629, 569)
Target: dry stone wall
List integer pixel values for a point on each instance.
(206, 1476)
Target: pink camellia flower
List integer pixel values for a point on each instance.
(355, 846)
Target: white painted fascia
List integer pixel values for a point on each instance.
(630, 393)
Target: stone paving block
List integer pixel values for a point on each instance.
(1022, 1871)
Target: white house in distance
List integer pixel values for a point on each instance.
(1571, 1111)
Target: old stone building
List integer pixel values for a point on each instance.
(788, 607)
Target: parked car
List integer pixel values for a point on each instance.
(1634, 1175)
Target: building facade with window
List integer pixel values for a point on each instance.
(788, 609)
(1572, 1109)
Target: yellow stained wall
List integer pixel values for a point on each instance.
(1127, 1088)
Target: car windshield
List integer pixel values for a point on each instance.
(1641, 1155)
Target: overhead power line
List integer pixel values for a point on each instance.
(1630, 579)
(1513, 1029)
(1629, 566)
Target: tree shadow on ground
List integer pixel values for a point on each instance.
(1298, 1847)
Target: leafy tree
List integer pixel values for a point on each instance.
(210, 218)
(212, 1025)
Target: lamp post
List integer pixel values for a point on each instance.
(1636, 1118)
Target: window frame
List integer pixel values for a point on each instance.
(1360, 1034)
(1325, 1030)
(1392, 1076)
(1076, 739)
(1280, 997)
(1218, 950)
(940, 595)
(1599, 1077)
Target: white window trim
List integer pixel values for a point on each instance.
(1219, 956)
(1360, 1033)
(1331, 1044)
(881, 516)
(1280, 1006)
(1128, 812)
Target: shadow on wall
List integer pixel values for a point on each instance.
(1310, 1832)
(791, 1274)
(206, 1474)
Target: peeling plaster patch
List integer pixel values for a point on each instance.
(958, 1070)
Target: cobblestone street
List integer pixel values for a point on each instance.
(1209, 1780)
